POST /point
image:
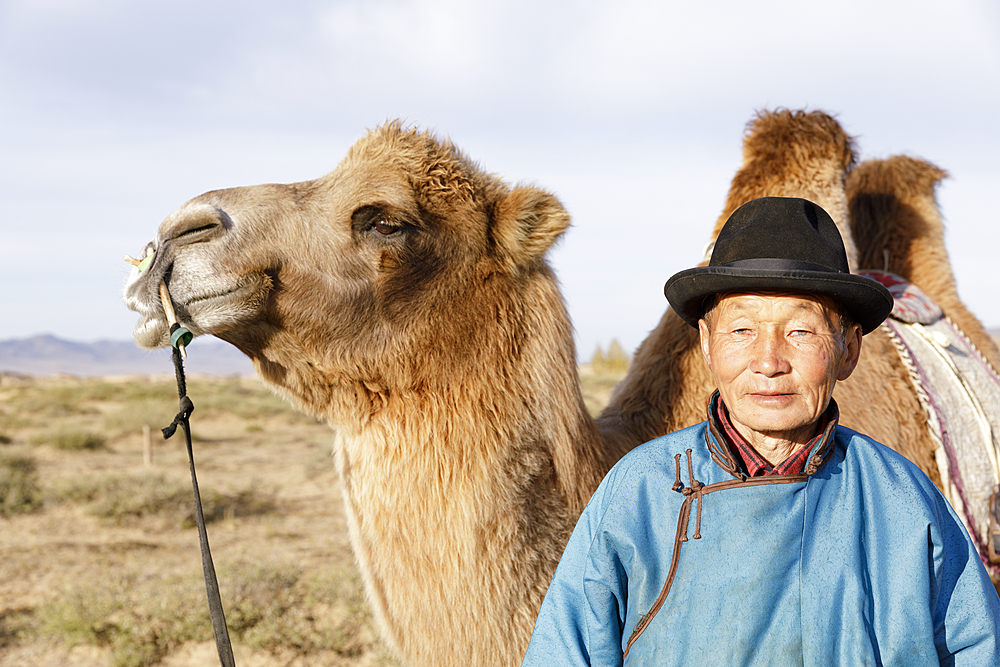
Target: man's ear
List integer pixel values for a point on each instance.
(852, 354)
(526, 223)
(705, 335)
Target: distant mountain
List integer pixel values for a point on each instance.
(48, 355)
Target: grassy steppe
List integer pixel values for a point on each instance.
(99, 559)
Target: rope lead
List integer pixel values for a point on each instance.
(222, 641)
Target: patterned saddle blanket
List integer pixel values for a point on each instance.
(960, 392)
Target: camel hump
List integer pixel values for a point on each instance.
(795, 154)
(526, 222)
(901, 176)
(813, 134)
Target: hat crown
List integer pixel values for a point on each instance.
(781, 228)
(782, 245)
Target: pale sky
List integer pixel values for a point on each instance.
(113, 113)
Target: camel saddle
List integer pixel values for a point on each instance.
(960, 392)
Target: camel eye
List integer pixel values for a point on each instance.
(383, 226)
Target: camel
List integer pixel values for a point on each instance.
(785, 153)
(405, 299)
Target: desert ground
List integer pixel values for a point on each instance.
(99, 558)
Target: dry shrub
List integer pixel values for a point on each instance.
(268, 606)
(70, 439)
(15, 625)
(303, 614)
(615, 360)
(125, 498)
(19, 490)
(120, 498)
(599, 377)
(140, 618)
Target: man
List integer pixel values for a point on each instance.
(769, 534)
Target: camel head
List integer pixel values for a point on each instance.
(406, 266)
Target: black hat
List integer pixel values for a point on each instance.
(783, 244)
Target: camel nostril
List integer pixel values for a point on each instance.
(197, 231)
(196, 225)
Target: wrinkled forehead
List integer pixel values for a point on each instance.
(785, 303)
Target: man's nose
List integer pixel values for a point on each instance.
(770, 356)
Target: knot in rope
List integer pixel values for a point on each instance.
(187, 407)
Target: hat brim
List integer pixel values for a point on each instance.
(868, 301)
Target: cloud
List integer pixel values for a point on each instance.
(246, 62)
(115, 112)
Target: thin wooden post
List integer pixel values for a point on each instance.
(147, 446)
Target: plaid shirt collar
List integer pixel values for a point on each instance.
(752, 464)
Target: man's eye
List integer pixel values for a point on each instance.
(383, 226)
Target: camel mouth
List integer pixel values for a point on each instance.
(152, 332)
(205, 313)
(212, 299)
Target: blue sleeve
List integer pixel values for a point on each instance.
(966, 609)
(582, 616)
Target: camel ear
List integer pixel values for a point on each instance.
(526, 224)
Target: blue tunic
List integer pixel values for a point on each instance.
(679, 560)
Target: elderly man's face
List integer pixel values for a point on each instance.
(776, 359)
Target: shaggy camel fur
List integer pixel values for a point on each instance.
(785, 153)
(405, 299)
(895, 221)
